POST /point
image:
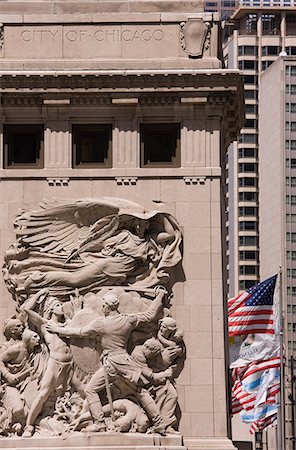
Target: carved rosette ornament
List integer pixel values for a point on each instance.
(195, 36)
(92, 346)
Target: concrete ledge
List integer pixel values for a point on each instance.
(208, 444)
(96, 441)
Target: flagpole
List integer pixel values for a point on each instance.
(281, 410)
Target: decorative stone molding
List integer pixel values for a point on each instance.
(57, 181)
(126, 181)
(195, 36)
(194, 180)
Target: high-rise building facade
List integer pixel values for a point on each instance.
(255, 37)
(224, 7)
(277, 196)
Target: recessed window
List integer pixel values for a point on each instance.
(92, 145)
(160, 145)
(23, 146)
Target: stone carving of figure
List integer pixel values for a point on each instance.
(15, 367)
(128, 416)
(115, 329)
(59, 366)
(150, 355)
(12, 330)
(89, 244)
(83, 276)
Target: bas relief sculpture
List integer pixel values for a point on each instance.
(92, 346)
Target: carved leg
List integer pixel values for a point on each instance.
(95, 385)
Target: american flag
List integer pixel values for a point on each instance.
(252, 311)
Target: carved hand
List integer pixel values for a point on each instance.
(42, 295)
(52, 327)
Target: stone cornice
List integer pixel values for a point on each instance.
(221, 92)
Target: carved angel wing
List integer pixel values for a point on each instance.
(62, 228)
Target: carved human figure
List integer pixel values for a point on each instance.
(128, 416)
(128, 252)
(12, 330)
(171, 338)
(89, 244)
(115, 329)
(164, 391)
(59, 366)
(15, 367)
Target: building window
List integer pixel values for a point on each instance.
(291, 163)
(291, 255)
(248, 255)
(266, 64)
(247, 210)
(290, 144)
(160, 145)
(251, 109)
(271, 24)
(271, 50)
(245, 284)
(290, 126)
(291, 107)
(247, 152)
(291, 200)
(247, 50)
(248, 270)
(23, 146)
(248, 196)
(247, 167)
(292, 327)
(251, 94)
(248, 226)
(250, 123)
(248, 65)
(291, 290)
(248, 240)
(250, 79)
(291, 273)
(91, 145)
(291, 181)
(291, 237)
(250, 182)
(291, 218)
(291, 89)
(291, 70)
(291, 51)
(248, 138)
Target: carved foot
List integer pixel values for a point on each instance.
(28, 431)
(96, 428)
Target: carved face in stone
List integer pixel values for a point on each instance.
(141, 226)
(13, 329)
(31, 339)
(168, 327)
(58, 309)
(110, 303)
(35, 340)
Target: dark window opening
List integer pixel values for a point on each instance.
(23, 146)
(160, 145)
(92, 145)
